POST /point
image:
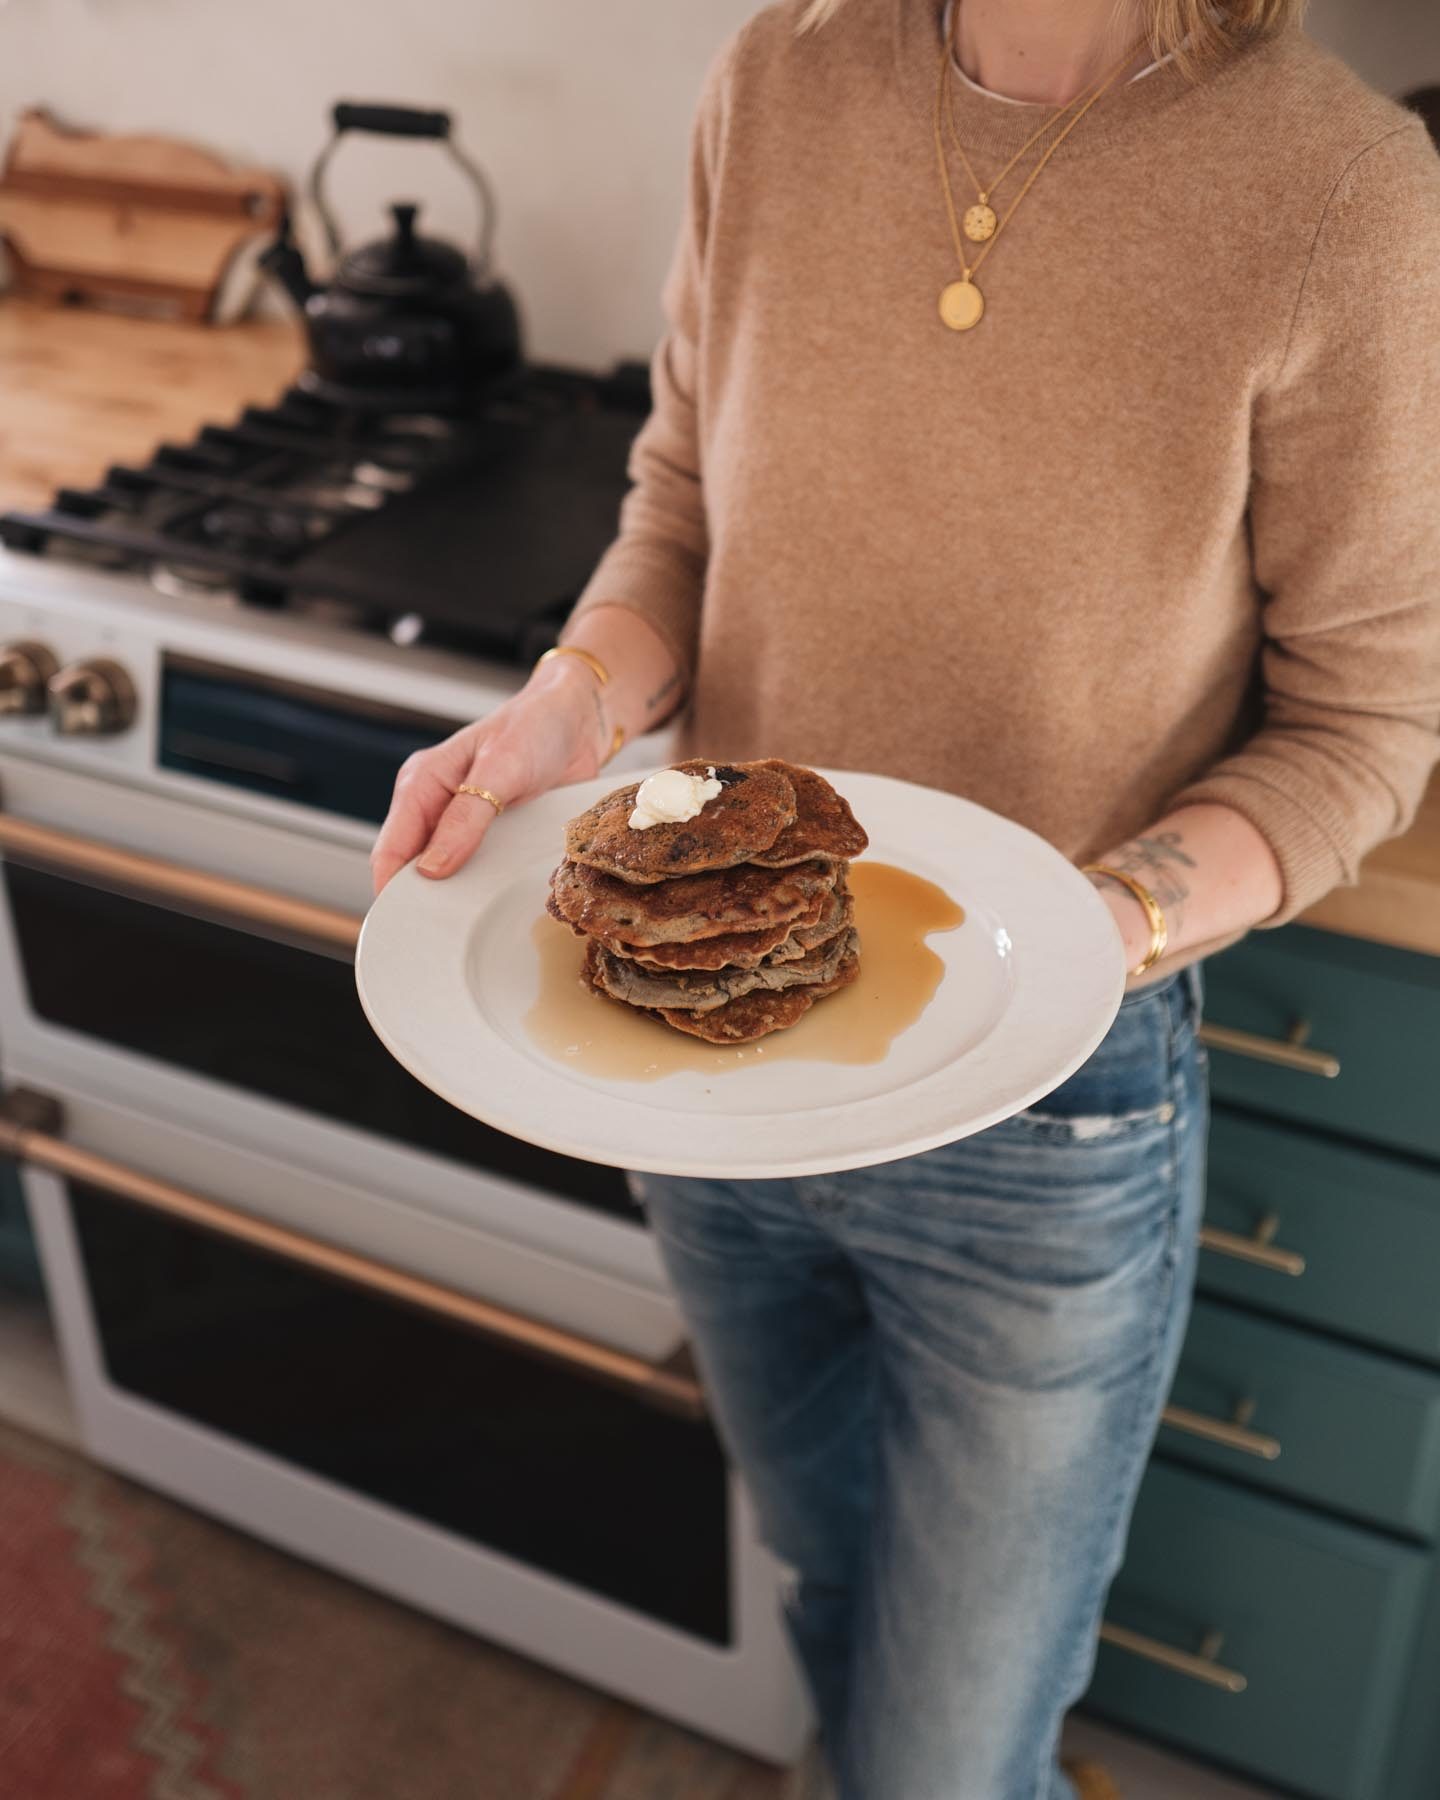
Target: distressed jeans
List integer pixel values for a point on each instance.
(940, 1379)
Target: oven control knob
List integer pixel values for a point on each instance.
(24, 670)
(91, 699)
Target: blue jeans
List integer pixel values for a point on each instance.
(940, 1379)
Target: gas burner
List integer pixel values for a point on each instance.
(189, 581)
(380, 480)
(240, 529)
(420, 425)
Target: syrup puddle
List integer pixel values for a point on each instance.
(895, 912)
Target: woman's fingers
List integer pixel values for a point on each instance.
(464, 821)
(523, 748)
(423, 788)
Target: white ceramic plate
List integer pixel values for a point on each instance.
(449, 971)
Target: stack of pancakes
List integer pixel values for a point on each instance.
(729, 925)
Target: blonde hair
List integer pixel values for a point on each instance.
(1195, 32)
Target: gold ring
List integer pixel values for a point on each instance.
(481, 794)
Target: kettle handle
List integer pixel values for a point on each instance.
(411, 122)
(389, 121)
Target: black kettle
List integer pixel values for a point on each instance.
(407, 323)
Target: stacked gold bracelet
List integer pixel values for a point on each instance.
(601, 674)
(1159, 936)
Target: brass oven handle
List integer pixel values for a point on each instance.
(29, 1121)
(1234, 1434)
(1286, 1053)
(255, 907)
(1203, 1667)
(1259, 1249)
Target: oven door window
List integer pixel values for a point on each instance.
(266, 1017)
(515, 1454)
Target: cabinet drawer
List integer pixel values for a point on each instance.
(1376, 1009)
(1319, 1618)
(1340, 1427)
(1363, 1228)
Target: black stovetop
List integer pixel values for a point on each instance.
(471, 532)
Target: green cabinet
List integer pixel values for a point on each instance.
(1365, 1225)
(1302, 1550)
(1327, 1423)
(1319, 1618)
(1377, 1010)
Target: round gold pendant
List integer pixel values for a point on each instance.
(962, 306)
(980, 223)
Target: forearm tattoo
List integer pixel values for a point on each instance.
(1161, 864)
(602, 730)
(667, 688)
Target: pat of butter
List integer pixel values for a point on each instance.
(671, 797)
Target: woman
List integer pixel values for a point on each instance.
(1103, 489)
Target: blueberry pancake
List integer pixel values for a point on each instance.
(755, 804)
(722, 901)
(823, 826)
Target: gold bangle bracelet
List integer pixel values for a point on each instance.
(1155, 918)
(590, 660)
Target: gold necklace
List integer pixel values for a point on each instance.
(980, 222)
(962, 305)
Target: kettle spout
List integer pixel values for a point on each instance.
(284, 261)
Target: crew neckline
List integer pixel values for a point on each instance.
(947, 16)
(995, 125)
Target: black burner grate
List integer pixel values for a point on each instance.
(475, 532)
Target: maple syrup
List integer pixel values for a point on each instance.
(895, 912)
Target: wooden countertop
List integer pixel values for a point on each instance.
(82, 390)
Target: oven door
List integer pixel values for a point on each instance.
(200, 967)
(540, 1491)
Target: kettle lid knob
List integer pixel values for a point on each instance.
(402, 245)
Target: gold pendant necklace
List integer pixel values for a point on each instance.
(962, 305)
(980, 222)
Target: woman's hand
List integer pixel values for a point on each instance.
(553, 731)
(560, 727)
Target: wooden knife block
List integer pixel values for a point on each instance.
(141, 224)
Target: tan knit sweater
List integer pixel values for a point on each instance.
(1165, 527)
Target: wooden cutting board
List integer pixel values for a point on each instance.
(143, 224)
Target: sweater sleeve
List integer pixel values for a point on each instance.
(656, 565)
(1345, 532)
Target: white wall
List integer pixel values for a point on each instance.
(579, 110)
(1395, 44)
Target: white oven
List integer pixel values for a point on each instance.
(292, 1286)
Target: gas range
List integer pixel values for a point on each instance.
(471, 532)
(292, 1286)
(305, 587)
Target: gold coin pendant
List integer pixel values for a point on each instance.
(962, 306)
(980, 223)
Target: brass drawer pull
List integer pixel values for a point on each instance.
(1201, 1667)
(1287, 1053)
(29, 1122)
(255, 908)
(1259, 1249)
(1234, 1433)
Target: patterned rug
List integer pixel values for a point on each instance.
(148, 1653)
